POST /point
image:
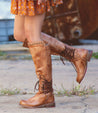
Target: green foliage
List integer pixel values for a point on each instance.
(2, 53)
(9, 91)
(95, 55)
(76, 90)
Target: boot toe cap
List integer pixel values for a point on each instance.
(22, 103)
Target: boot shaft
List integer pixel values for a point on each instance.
(42, 60)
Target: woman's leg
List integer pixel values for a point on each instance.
(19, 32)
(28, 26)
(33, 26)
(42, 60)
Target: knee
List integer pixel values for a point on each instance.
(19, 35)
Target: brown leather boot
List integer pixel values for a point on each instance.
(78, 57)
(42, 59)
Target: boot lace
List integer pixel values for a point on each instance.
(69, 53)
(44, 86)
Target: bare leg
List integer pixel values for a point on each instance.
(19, 32)
(28, 26)
(33, 25)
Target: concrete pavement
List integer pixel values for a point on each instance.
(74, 104)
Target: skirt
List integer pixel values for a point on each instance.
(31, 7)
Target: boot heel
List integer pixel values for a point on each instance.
(89, 55)
(47, 105)
(50, 105)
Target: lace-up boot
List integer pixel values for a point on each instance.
(79, 59)
(42, 59)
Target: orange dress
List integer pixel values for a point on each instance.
(31, 7)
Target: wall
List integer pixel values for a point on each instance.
(6, 29)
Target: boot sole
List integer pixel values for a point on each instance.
(47, 105)
(41, 106)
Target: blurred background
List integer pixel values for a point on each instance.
(75, 22)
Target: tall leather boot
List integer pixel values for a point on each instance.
(78, 57)
(42, 59)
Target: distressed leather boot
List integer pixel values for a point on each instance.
(42, 59)
(78, 57)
